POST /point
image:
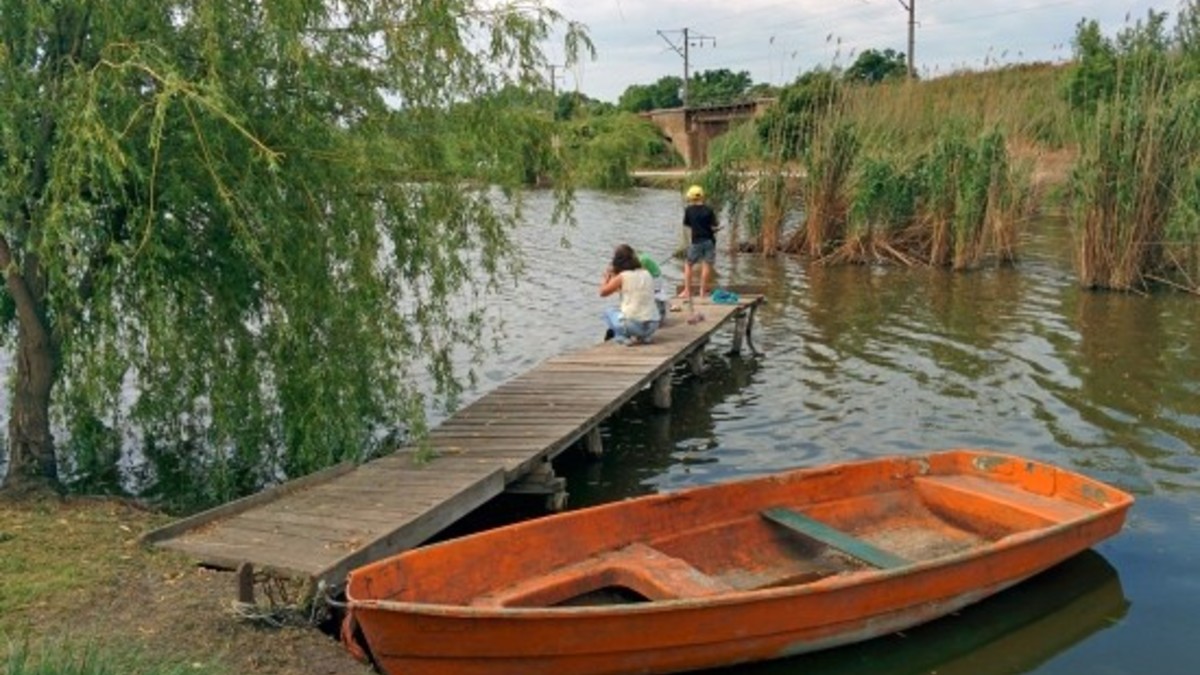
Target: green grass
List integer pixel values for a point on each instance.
(64, 657)
(81, 594)
(40, 564)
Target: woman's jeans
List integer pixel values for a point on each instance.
(623, 328)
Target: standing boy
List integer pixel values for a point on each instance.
(702, 221)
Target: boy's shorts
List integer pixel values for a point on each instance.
(702, 251)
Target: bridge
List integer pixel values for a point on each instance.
(691, 129)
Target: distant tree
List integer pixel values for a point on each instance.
(718, 87)
(762, 90)
(516, 96)
(1101, 64)
(665, 93)
(604, 150)
(1094, 75)
(874, 66)
(573, 104)
(1187, 35)
(233, 230)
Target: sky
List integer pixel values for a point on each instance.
(775, 41)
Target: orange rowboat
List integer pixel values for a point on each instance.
(743, 571)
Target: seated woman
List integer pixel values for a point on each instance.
(637, 318)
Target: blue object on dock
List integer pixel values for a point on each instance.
(724, 297)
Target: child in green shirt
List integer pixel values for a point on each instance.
(660, 294)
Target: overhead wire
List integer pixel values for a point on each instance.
(780, 32)
(785, 44)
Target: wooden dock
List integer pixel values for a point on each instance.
(319, 527)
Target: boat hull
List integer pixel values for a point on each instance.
(520, 627)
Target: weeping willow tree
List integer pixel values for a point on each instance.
(231, 231)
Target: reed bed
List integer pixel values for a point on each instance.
(755, 194)
(944, 172)
(915, 173)
(956, 205)
(829, 164)
(1136, 185)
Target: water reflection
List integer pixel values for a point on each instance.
(1015, 631)
(1135, 406)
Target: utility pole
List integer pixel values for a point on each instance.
(911, 6)
(689, 40)
(554, 79)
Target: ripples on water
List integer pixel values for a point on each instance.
(865, 361)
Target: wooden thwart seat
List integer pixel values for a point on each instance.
(852, 546)
(638, 567)
(1002, 501)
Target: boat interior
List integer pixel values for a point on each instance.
(783, 546)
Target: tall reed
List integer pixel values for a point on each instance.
(828, 164)
(956, 204)
(752, 187)
(1017, 100)
(882, 208)
(731, 157)
(921, 173)
(772, 195)
(1137, 181)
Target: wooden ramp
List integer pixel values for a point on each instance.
(323, 525)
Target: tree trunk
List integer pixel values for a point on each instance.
(32, 463)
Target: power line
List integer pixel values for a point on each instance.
(689, 40)
(781, 32)
(788, 37)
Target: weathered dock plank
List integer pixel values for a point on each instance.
(320, 527)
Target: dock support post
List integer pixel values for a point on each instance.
(662, 391)
(696, 359)
(739, 331)
(542, 481)
(557, 502)
(245, 584)
(595, 446)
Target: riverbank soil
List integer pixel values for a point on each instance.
(73, 572)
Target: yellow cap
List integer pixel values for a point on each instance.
(695, 192)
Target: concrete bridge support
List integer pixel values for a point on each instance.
(690, 130)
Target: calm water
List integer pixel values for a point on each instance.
(859, 362)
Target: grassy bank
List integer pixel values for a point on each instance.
(79, 595)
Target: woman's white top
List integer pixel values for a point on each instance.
(637, 296)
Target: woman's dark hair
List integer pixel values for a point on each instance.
(624, 259)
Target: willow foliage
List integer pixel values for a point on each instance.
(231, 231)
